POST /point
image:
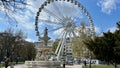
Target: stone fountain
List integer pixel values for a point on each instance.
(43, 55)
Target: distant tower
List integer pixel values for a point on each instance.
(45, 38)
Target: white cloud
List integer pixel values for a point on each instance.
(34, 5)
(97, 30)
(107, 6)
(58, 32)
(30, 40)
(24, 21)
(112, 29)
(26, 17)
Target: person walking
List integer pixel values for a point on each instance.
(85, 63)
(6, 62)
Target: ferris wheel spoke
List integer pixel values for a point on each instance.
(70, 36)
(76, 14)
(64, 9)
(52, 14)
(71, 9)
(74, 34)
(52, 30)
(73, 38)
(57, 9)
(67, 9)
(48, 21)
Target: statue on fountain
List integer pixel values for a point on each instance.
(43, 51)
(45, 38)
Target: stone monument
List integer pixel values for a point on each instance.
(43, 55)
(43, 52)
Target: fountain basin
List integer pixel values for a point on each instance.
(43, 64)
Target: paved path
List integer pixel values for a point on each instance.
(67, 66)
(18, 66)
(74, 66)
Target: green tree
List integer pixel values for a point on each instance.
(10, 43)
(13, 45)
(29, 51)
(78, 47)
(106, 47)
(55, 44)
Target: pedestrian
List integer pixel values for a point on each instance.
(85, 63)
(17, 60)
(6, 62)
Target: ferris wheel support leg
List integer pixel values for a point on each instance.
(58, 55)
(59, 45)
(62, 46)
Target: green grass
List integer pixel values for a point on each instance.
(21, 62)
(100, 66)
(2, 65)
(18, 62)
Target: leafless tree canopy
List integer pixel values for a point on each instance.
(12, 5)
(8, 7)
(13, 45)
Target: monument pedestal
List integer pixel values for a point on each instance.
(42, 59)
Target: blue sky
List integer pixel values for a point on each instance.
(105, 14)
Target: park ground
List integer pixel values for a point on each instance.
(67, 66)
(71, 66)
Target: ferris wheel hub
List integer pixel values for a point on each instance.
(68, 24)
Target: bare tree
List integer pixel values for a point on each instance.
(11, 42)
(10, 7)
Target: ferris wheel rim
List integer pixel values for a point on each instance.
(82, 8)
(69, 26)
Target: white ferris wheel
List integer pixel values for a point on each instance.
(63, 18)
